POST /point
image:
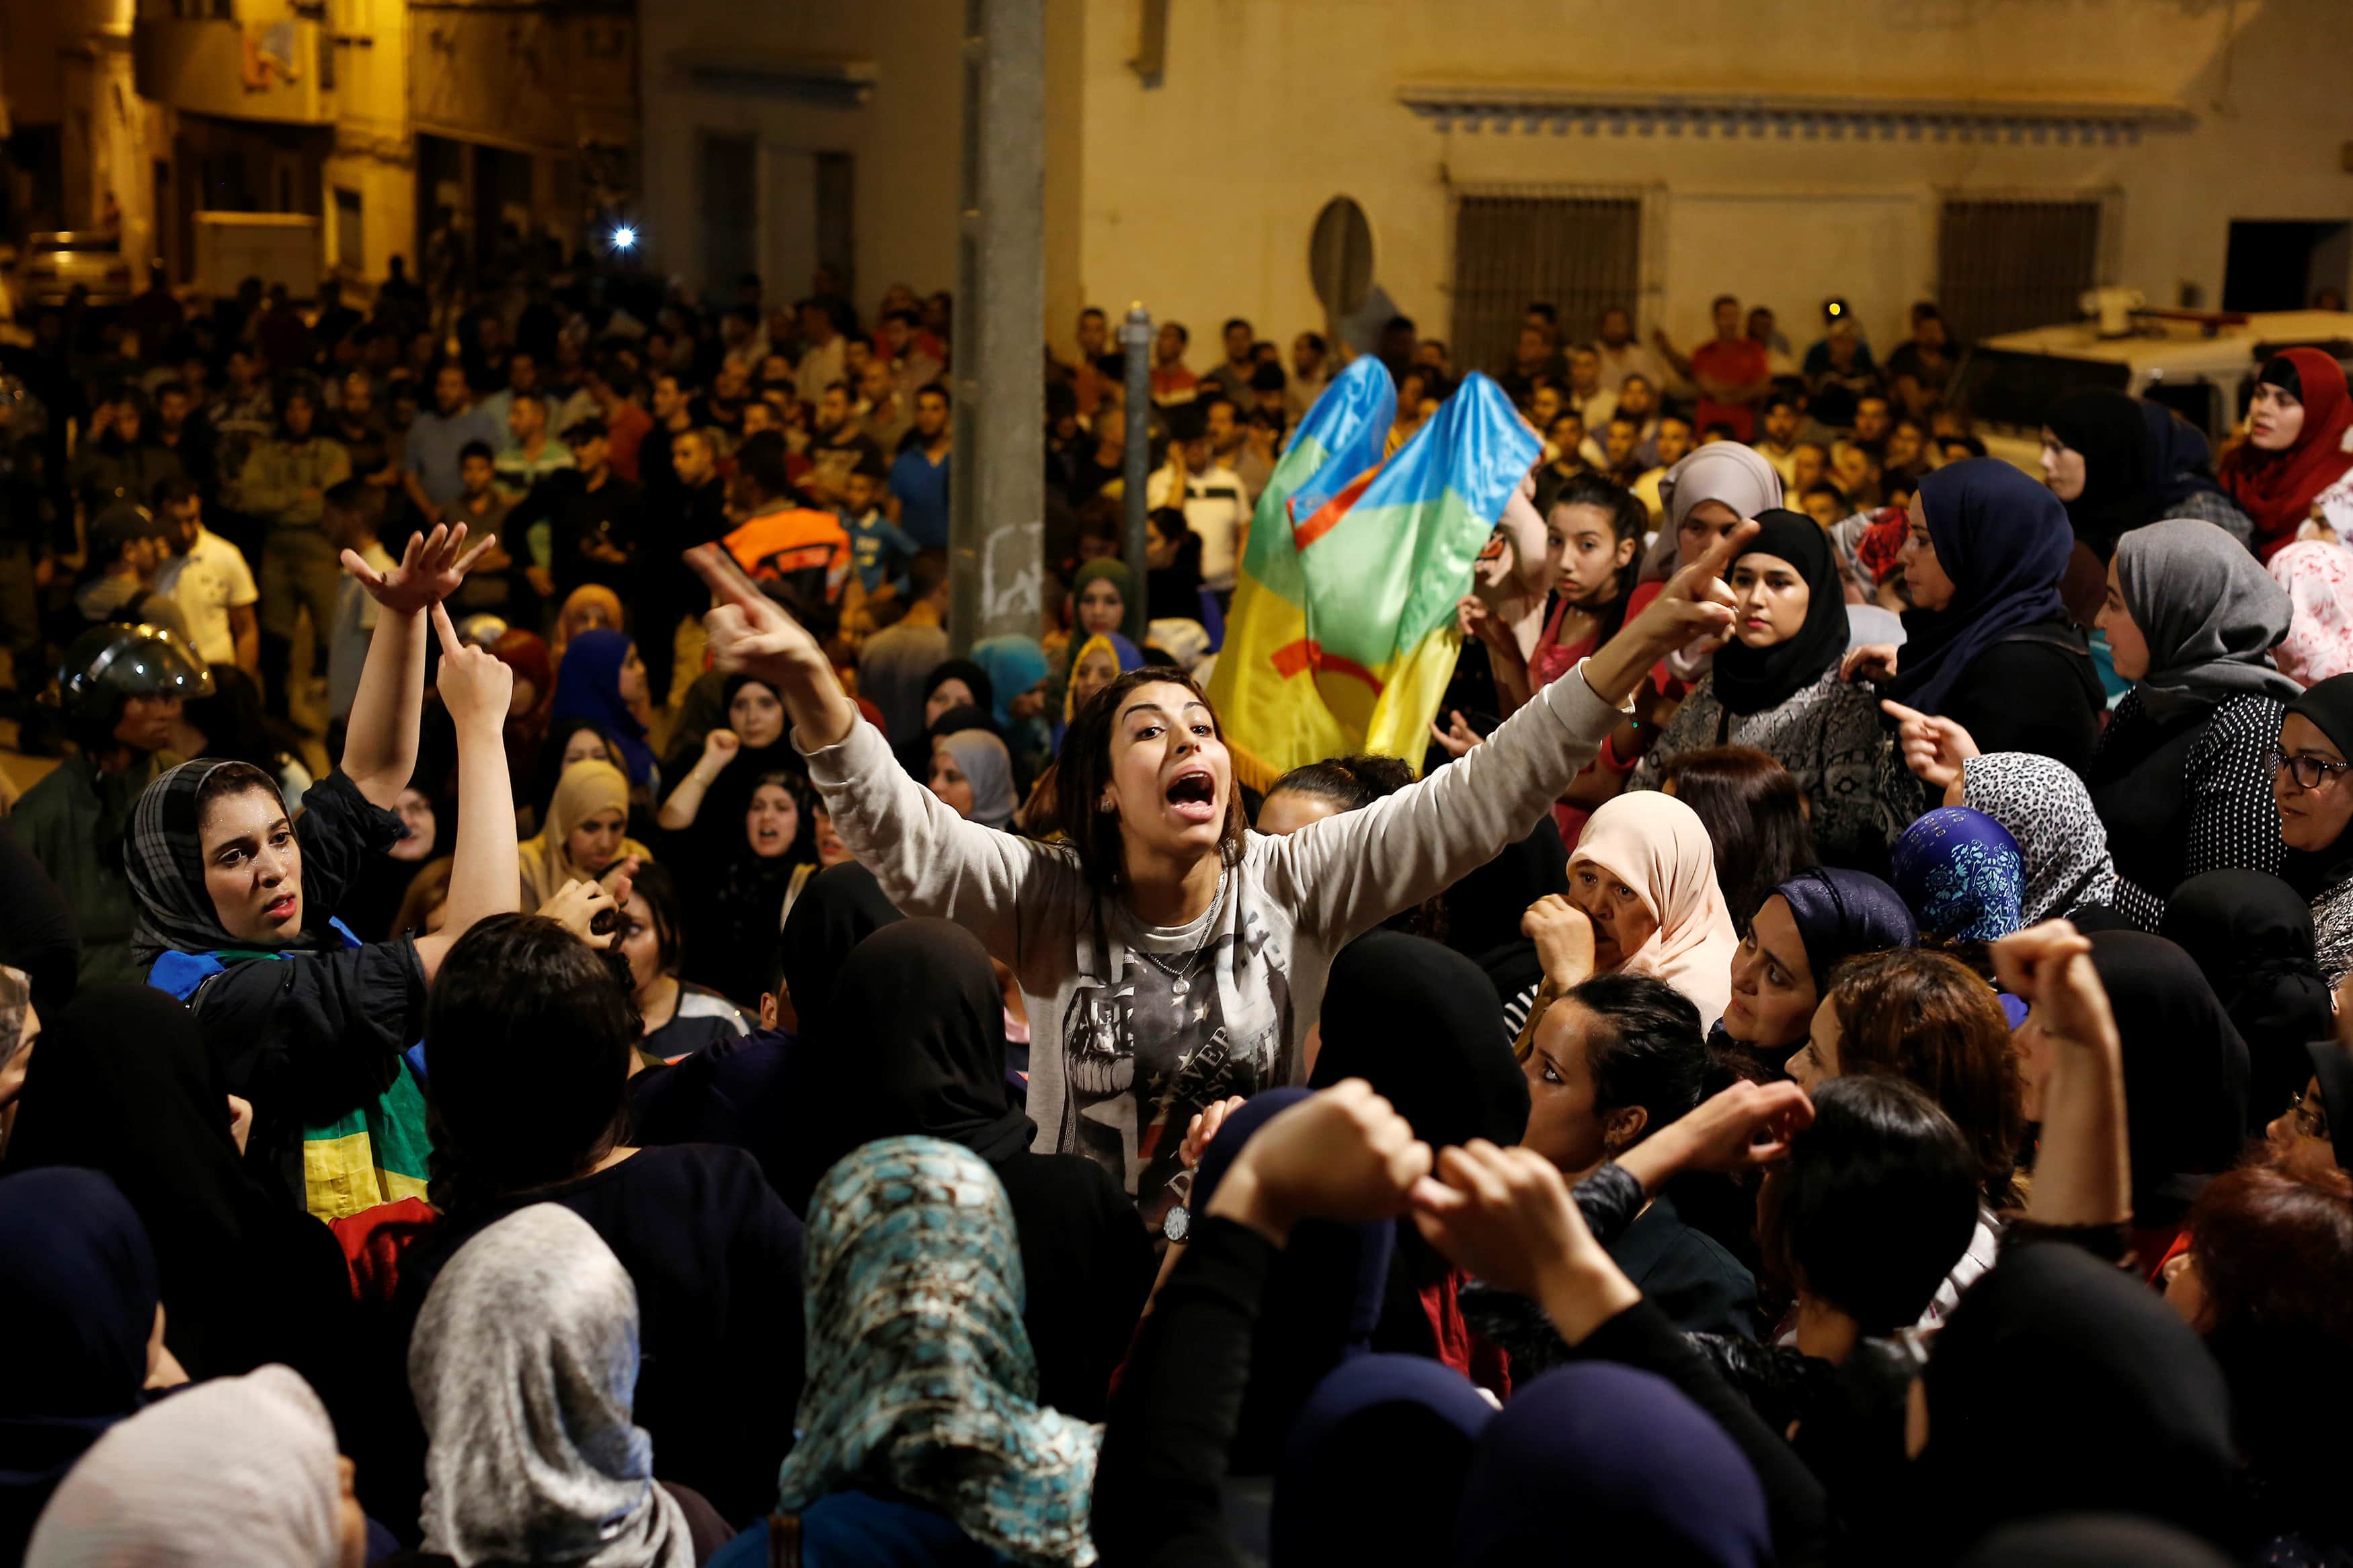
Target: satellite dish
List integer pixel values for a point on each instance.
(1340, 258)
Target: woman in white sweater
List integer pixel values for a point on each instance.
(1168, 957)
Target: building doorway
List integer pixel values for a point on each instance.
(2282, 266)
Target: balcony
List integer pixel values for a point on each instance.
(268, 72)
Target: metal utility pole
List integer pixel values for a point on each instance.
(997, 493)
(1136, 350)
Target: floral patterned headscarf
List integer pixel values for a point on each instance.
(1962, 874)
(921, 1381)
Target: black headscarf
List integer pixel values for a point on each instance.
(2328, 705)
(2062, 1384)
(2113, 435)
(1753, 680)
(2092, 1541)
(122, 1084)
(922, 1001)
(721, 816)
(2180, 463)
(2004, 541)
(2332, 1064)
(1322, 1301)
(77, 1290)
(2185, 1072)
(841, 907)
(1417, 1021)
(2251, 936)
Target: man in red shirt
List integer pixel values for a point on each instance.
(1729, 369)
(626, 426)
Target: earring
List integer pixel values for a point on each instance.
(1106, 806)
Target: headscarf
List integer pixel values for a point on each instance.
(841, 907)
(2108, 429)
(1754, 679)
(984, 689)
(1417, 1021)
(163, 856)
(235, 1469)
(923, 999)
(1657, 845)
(2318, 577)
(2327, 705)
(983, 760)
(921, 1381)
(1322, 1300)
(524, 653)
(1397, 1427)
(1840, 913)
(2209, 614)
(2050, 816)
(77, 1290)
(2185, 1072)
(1962, 875)
(717, 833)
(588, 686)
(2251, 935)
(2180, 463)
(576, 605)
(2092, 1541)
(1015, 663)
(524, 1364)
(2277, 489)
(1621, 1462)
(122, 1084)
(1104, 568)
(2332, 1064)
(1123, 654)
(2004, 540)
(2062, 1384)
(586, 788)
(1740, 476)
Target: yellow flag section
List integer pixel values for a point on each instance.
(1341, 639)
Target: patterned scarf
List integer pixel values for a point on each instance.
(163, 856)
(1962, 874)
(921, 1379)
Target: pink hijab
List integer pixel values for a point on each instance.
(2318, 577)
(1657, 845)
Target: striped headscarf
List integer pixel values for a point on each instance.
(163, 856)
(921, 1381)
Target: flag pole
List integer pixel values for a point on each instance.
(1136, 350)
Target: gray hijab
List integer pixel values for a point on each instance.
(2047, 809)
(524, 1363)
(1738, 476)
(982, 758)
(2210, 613)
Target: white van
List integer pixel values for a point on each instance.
(2203, 370)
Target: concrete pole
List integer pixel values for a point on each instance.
(998, 491)
(1135, 347)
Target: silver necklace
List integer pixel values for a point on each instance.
(1180, 980)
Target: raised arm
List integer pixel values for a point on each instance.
(380, 746)
(929, 861)
(1351, 871)
(685, 802)
(2083, 1173)
(484, 877)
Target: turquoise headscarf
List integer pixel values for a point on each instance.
(921, 1381)
(1015, 663)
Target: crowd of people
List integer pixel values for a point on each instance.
(548, 1017)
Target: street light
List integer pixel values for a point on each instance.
(625, 237)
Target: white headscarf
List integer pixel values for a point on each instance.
(1658, 847)
(524, 1362)
(238, 1470)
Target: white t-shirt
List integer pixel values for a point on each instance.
(206, 584)
(1217, 505)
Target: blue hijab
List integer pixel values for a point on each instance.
(1962, 875)
(1013, 664)
(588, 686)
(1841, 913)
(2004, 540)
(1400, 1428)
(77, 1290)
(1618, 1462)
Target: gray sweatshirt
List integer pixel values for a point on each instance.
(1134, 1027)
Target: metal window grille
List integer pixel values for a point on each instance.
(2007, 262)
(730, 208)
(1579, 253)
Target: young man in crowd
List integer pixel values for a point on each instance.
(879, 550)
(429, 464)
(1729, 369)
(1232, 375)
(209, 580)
(920, 475)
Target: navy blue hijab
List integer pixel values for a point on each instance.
(77, 1290)
(2004, 540)
(1840, 913)
(1399, 1428)
(588, 686)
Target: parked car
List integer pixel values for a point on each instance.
(2203, 370)
(53, 263)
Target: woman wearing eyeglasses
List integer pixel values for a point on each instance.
(2311, 787)
(2178, 776)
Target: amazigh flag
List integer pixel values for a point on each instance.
(1342, 636)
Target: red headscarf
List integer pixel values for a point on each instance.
(2277, 489)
